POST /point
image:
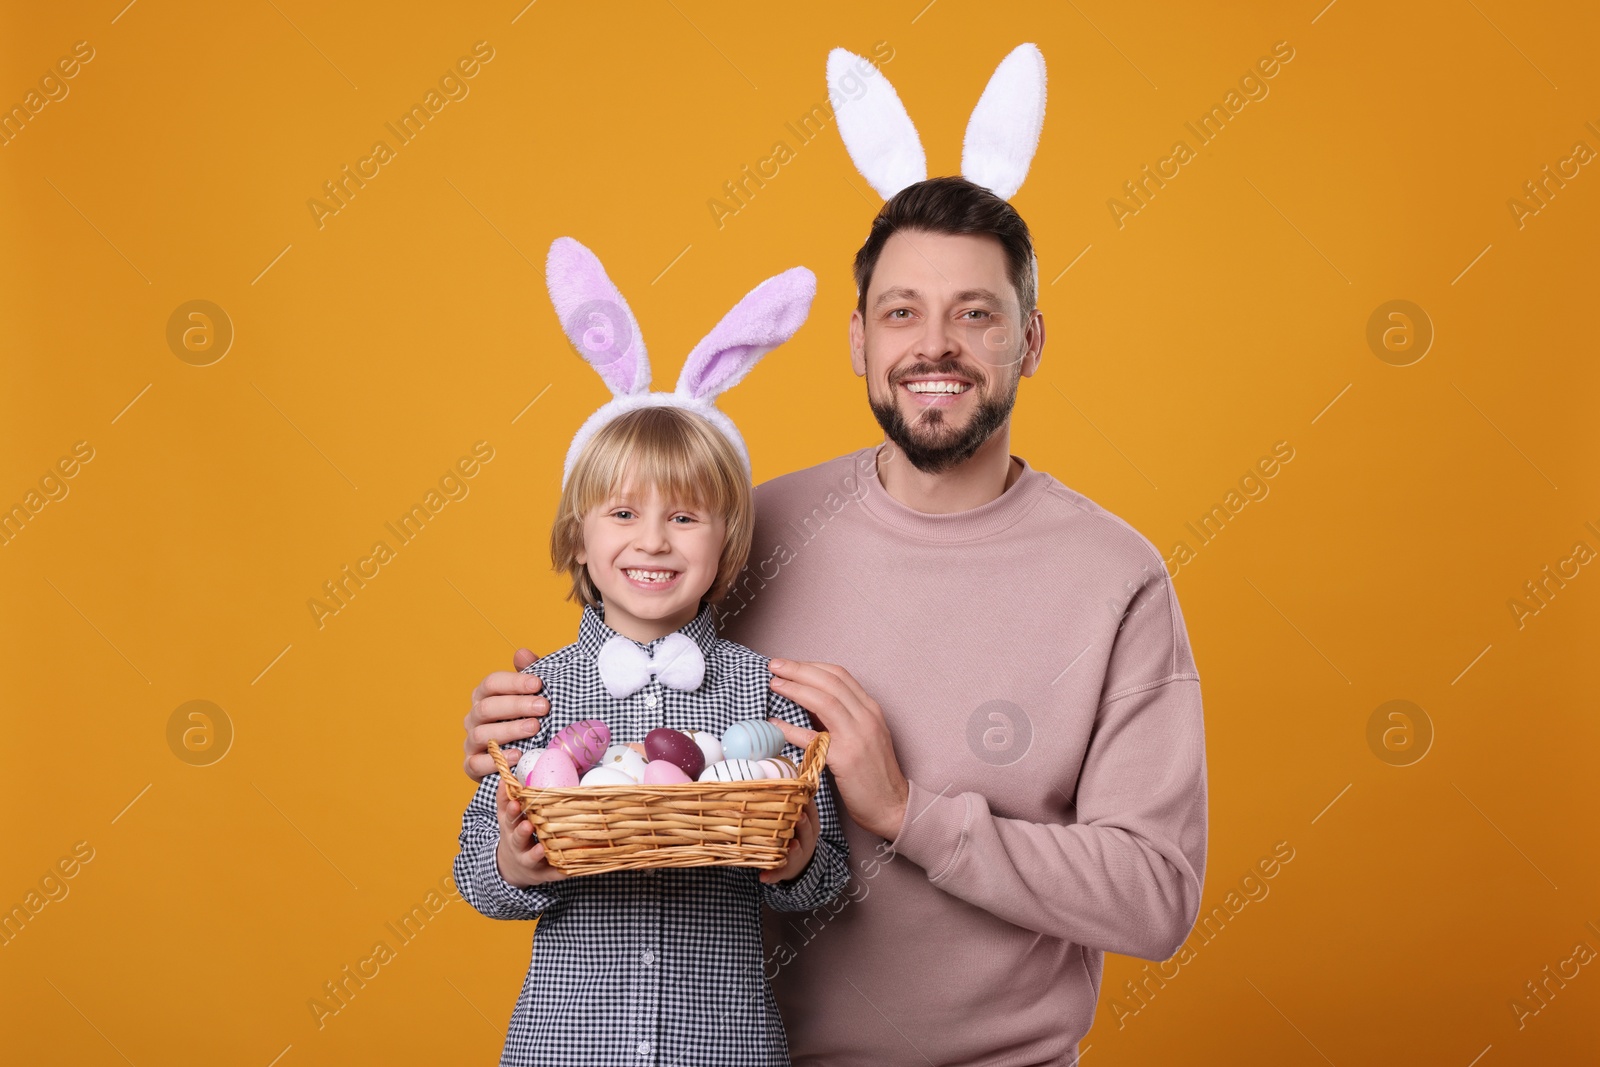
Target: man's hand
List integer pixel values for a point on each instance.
(522, 862)
(501, 706)
(803, 844)
(860, 752)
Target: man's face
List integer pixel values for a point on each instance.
(943, 344)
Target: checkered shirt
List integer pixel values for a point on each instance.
(657, 967)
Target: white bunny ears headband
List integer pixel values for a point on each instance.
(1002, 134)
(601, 326)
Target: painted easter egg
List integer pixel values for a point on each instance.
(663, 772)
(525, 764)
(623, 758)
(732, 770)
(675, 747)
(603, 775)
(553, 769)
(585, 741)
(778, 767)
(709, 743)
(751, 739)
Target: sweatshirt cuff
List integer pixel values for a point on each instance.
(933, 831)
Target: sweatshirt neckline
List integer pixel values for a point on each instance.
(985, 520)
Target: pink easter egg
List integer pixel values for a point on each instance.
(554, 769)
(777, 767)
(585, 741)
(662, 772)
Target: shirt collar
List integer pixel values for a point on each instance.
(593, 632)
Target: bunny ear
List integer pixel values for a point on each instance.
(1003, 133)
(596, 319)
(877, 132)
(769, 315)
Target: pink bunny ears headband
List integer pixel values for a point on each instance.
(601, 326)
(1002, 134)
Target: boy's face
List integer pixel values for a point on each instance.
(651, 559)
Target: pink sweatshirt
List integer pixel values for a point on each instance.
(1033, 666)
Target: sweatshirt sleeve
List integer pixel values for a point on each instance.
(1126, 875)
(825, 876)
(478, 874)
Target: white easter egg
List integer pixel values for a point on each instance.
(525, 765)
(732, 770)
(709, 743)
(606, 776)
(624, 759)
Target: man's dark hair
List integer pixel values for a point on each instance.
(953, 206)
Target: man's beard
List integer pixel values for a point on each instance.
(947, 448)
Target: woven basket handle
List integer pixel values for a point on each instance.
(812, 762)
(501, 765)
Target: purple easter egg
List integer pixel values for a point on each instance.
(585, 741)
(553, 769)
(676, 748)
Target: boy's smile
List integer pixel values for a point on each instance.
(650, 579)
(652, 561)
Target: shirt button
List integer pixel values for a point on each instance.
(649, 957)
(644, 1048)
(650, 701)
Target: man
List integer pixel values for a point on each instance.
(1015, 712)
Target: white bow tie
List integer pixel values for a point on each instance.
(625, 668)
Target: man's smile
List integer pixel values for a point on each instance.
(936, 391)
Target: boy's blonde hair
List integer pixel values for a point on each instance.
(684, 457)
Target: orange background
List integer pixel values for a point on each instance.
(1228, 314)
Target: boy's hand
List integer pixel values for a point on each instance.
(520, 860)
(501, 706)
(801, 846)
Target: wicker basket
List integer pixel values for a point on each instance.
(593, 829)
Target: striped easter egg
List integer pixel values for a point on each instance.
(751, 739)
(778, 767)
(585, 741)
(732, 770)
